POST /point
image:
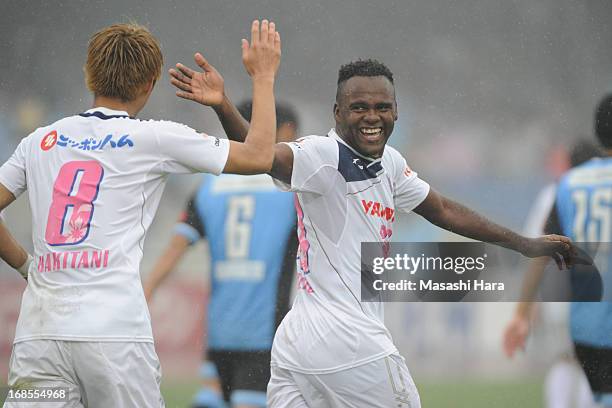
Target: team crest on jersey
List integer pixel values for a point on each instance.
(48, 141)
(385, 235)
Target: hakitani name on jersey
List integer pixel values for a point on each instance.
(54, 261)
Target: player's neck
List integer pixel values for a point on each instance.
(116, 104)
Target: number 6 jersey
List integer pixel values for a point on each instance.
(94, 182)
(250, 228)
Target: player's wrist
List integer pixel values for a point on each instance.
(523, 245)
(264, 78)
(223, 106)
(523, 311)
(23, 269)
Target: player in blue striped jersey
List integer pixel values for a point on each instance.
(583, 211)
(250, 228)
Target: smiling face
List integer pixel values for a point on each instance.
(365, 113)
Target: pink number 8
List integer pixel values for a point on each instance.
(304, 245)
(74, 193)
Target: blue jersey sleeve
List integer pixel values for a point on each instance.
(190, 224)
(553, 225)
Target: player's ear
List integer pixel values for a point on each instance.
(395, 110)
(336, 112)
(147, 88)
(286, 132)
(151, 85)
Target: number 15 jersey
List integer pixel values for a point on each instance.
(94, 182)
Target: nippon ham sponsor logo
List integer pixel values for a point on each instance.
(51, 139)
(378, 210)
(90, 143)
(48, 141)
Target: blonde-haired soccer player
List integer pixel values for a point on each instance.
(94, 181)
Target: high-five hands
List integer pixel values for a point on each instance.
(206, 87)
(261, 58)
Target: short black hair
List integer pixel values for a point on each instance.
(284, 113)
(582, 151)
(603, 122)
(365, 68)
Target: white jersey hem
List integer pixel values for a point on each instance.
(126, 339)
(337, 368)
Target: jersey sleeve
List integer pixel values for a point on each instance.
(315, 160)
(190, 224)
(562, 214)
(184, 150)
(13, 172)
(553, 224)
(410, 190)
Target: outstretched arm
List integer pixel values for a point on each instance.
(282, 167)
(208, 88)
(235, 126)
(165, 264)
(459, 219)
(518, 328)
(10, 251)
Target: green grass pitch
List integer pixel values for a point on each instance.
(468, 394)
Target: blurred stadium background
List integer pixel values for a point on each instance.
(490, 94)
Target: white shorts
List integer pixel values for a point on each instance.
(382, 383)
(96, 374)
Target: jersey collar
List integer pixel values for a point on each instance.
(104, 113)
(334, 135)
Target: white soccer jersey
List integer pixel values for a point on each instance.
(343, 199)
(94, 182)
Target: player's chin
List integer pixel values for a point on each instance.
(373, 149)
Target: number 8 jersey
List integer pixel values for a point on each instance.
(94, 182)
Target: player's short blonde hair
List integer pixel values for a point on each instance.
(121, 59)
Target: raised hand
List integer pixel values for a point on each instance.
(515, 335)
(261, 57)
(206, 87)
